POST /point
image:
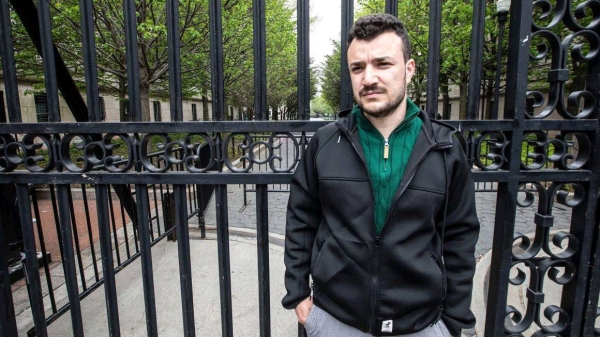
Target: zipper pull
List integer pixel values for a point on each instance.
(386, 149)
(386, 153)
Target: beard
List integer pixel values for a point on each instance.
(389, 107)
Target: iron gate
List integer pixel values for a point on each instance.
(560, 166)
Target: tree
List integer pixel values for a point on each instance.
(455, 46)
(330, 78)
(319, 107)
(194, 42)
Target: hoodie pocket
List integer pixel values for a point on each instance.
(318, 257)
(439, 263)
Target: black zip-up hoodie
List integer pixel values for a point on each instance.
(407, 275)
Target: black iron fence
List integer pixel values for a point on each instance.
(560, 146)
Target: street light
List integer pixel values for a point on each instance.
(502, 7)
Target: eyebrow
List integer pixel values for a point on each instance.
(382, 58)
(376, 59)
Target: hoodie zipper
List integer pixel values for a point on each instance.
(377, 237)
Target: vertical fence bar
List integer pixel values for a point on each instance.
(592, 310)
(391, 7)
(32, 272)
(476, 58)
(433, 57)
(584, 223)
(303, 52)
(262, 234)
(8, 323)
(347, 20)
(39, 226)
(175, 91)
(113, 222)
(593, 286)
(75, 235)
(86, 12)
(9, 71)
(185, 266)
(141, 191)
(56, 219)
(108, 268)
(49, 60)
(133, 69)
(2, 107)
(593, 85)
(516, 84)
(260, 59)
(68, 258)
(216, 60)
(224, 260)
(90, 234)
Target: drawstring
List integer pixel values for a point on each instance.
(445, 204)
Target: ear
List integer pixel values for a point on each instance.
(410, 70)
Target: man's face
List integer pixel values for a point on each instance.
(379, 73)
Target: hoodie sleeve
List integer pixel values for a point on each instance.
(302, 221)
(460, 237)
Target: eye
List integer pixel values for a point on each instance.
(356, 69)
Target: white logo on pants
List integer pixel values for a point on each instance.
(387, 326)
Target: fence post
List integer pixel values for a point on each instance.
(8, 324)
(169, 214)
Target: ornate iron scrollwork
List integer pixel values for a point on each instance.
(491, 150)
(584, 46)
(548, 256)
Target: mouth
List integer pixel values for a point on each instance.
(370, 93)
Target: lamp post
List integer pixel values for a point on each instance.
(502, 7)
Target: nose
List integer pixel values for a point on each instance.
(370, 76)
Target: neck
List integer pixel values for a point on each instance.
(386, 125)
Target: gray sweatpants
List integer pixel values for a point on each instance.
(321, 324)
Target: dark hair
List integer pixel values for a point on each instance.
(371, 26)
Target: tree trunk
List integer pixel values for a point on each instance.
(250, 113)
(275, 115)
(205, 116)
(489, 93)
(464, 85)
(446, 113)
(145, 98)
(122, 104)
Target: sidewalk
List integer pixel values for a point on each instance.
(205, 278)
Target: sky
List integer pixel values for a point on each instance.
(327, 26)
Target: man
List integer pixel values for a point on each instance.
(381, 211)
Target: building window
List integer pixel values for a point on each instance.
(102, 109)
(194, 113)
(41, 107)
(157, 112)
